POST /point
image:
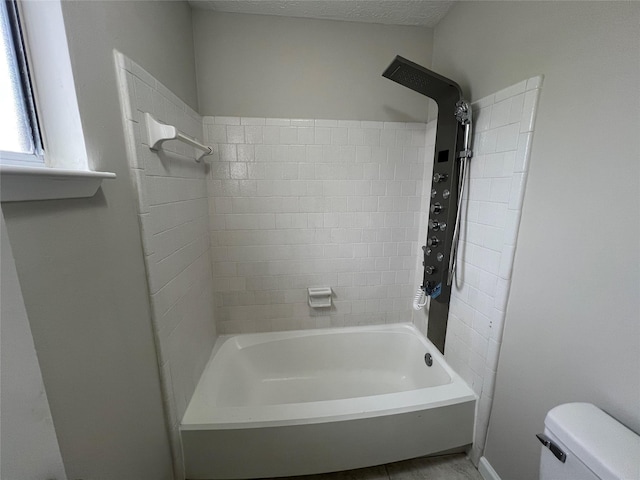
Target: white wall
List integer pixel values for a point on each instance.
(30, 448)
(173, 210)
(572, 328)
(80, 262)
(268, 66)
(299, 203)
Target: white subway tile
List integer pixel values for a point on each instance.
(252, 121)
(523, 152)
(494, 165)
(238, 170)
(476, 167)
(278, 122)
(227, 153)
(486, 142)
(371, 137)
(253, 134)
(535, 82)
(347, 154)
(288, 135)
(302, 122)
(350, 123)
(529, 111)
(226, 120)
(306, 135)
(326, 123)
(506, 262)
(482, 119)
(388, 137)
(479, 190)
(512, 223)
(500, 113)
(507, 138)
(355, 136)
(500, 190)
(322, 136)
(339, 136)
(271, 135)
(487, 260)
(484, 102)
(517, 189)
(217, 133)
(493, 238)
(493, 354)
(511, 91)
(508, 166)
(502, 294)
(222, 205)
(517, 104)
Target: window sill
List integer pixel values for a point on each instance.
(18, 183)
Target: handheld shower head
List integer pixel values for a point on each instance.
(463, 112)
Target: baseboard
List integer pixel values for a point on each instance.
(486, 470)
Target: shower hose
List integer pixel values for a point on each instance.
(462, 180)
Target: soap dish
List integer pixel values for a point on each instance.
(319, 297)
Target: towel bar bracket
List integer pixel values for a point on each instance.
(160, 133)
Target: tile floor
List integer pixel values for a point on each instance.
(444, 467)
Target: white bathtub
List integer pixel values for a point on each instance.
(313, 401)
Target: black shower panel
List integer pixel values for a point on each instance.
(450, 143)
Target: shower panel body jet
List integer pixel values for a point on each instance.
(452, 152)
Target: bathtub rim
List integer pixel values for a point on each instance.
(324, 411)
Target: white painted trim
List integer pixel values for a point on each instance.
(53, 84)
(19, 183)
(486, 470)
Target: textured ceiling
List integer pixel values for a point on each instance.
(391, 12)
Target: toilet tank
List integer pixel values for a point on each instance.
(593, 445)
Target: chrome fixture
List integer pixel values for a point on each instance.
(428, 359)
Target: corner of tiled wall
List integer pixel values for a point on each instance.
(171, 190)
(503, 131)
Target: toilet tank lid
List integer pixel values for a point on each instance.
(603, 444)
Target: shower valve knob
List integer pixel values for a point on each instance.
(433, 242)
(430, 270)
(436, 208)
(439, 177)
(434, 224)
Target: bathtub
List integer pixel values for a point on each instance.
(314, 401)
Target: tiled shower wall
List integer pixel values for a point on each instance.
(306, 203)
(171, 189)
(503, 130)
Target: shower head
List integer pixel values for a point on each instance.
(463, 112)
(422, 80)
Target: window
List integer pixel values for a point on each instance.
(20, 141)
(35, 31)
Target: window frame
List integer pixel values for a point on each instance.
(28, 100)
(67, 171)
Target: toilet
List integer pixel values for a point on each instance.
(581, 442)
